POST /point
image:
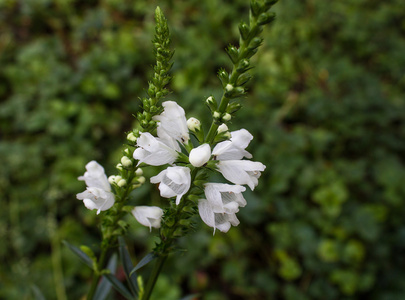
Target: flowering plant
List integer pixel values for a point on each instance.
(165, 137)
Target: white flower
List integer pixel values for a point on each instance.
(225, 198)
(222, 221)
(174, 182)
(153, 151)
(241, 171)
(173, 121)
(200, 155)
(98, 192)
(235, 148)
(149, 216)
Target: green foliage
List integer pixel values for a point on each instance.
(325, 106)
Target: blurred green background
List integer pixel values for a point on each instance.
(326, 107)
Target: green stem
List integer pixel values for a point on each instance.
(154, 276)
(96, 274)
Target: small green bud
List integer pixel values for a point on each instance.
(216, 115)
(266, 18)
(188, 209)
(229, 88)
(193, 198)
(119, 167)
(269, 3)
(243, 79)
(169, 222)
(255, 7)
(244, 30)
(233, 107)
(224, 77)
(233, 53)
(212, 104)
(256, 42)
(243, 65)
(141, 180)
(185, 222)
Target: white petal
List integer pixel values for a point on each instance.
(153, 152)
(206, 213)
(235, 148)
(149, 216)
(200, 156)
(225, 197)
(96, 198)
(173, 121)
(241, 171)
(95, 176)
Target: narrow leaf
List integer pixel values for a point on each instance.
(128, 266)
(119, 286)
(147, 259)
(104, 287)
(37, 292)
(83, 256)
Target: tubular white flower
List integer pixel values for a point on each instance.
(241, 171)
(225, 198)
(149, 216)
(173, 121)
(235, 148)
(98, 192)
(153, 151)
(222, 221)
(174, 182)
(200, 155)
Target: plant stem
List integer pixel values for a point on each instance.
(154, 276)
(96, 274)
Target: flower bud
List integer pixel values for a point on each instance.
(131, 137)
(216, 115)
(111, 179)
(226, 117)
(244, 30)
(138, 172)
(194, 124)
(222, 128)
(200, 155)
(122, 183)
(141, 180)
(126, 162)
(229, 87)
(119, 167)
(212, 104)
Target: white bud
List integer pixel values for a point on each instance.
(126, 162)
(222, 128)
(111, 179)
(226, 117)
(229, 87)
(131, 137)
(216, 115)
(119, 167)
(141, 180)
(117, 179)
(200, 155)
(227, 135)
(209, 99)
(138, 172)
(122, 183)
(193, 124)
(127, 151)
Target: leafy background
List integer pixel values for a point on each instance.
(326, 107)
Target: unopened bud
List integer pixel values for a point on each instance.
(229, 87)
(216, 115)
(131, 137)
(141, 180)
(193, 124)
(226, 117)
(126, 162)
(122, 183)
(200, 155)
(222, 128)
(111, 179)
(138, 172)
(119, 167)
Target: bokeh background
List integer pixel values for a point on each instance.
(326, 107)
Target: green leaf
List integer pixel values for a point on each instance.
(147, 259)
(104, 287)
(83, 256)
(128, 266)
(37, 292)
(119, 286)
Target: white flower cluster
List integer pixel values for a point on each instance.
(222, 200)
